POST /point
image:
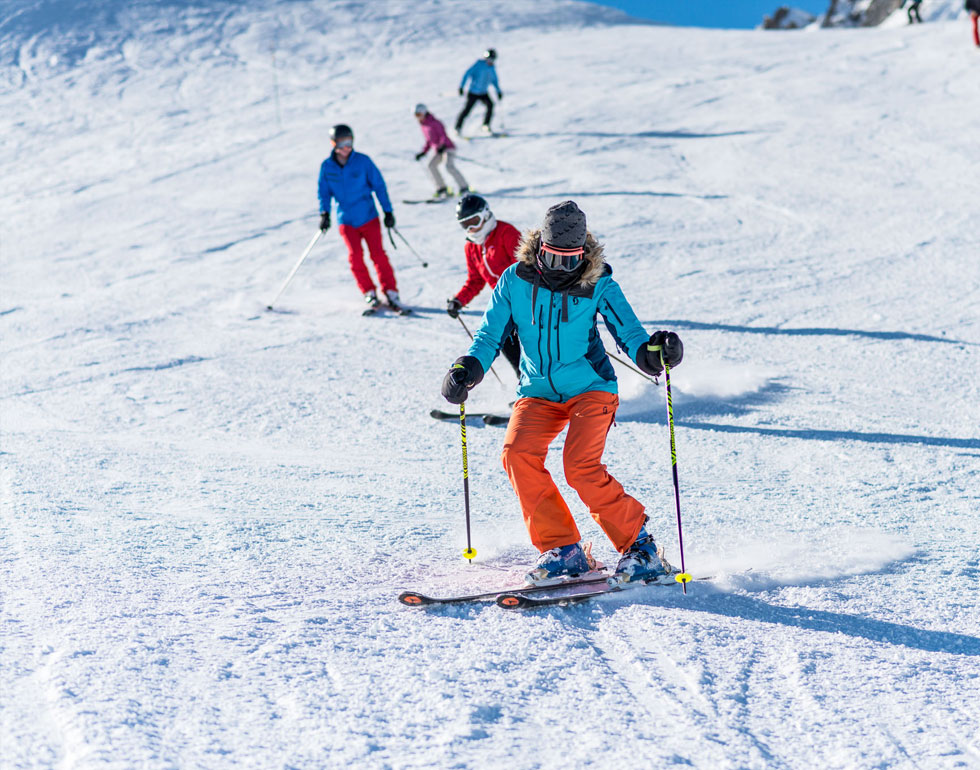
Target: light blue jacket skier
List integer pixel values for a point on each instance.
(562, 355)
(480, 76)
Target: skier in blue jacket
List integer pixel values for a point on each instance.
(480, 76)
(552, 295)
(351, 178)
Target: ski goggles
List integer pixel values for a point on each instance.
(344, 143)
(473, 222)
(554, 258)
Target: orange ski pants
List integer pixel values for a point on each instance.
(533, 425)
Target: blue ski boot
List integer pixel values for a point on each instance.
(566, 561)
(642, 562)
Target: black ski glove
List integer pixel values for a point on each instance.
(500, 96)
(460, 90)
(420, 155)
(465, 374)
(648, 356)
(389, 219)
(453, 306)
(324, 220)
(441, 151)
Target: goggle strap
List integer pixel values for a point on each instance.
(576, 252)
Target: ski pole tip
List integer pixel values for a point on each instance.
(469, 553)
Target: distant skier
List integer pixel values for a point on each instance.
(490, 249)
(973, 6)
(445, 152)
(552, 296)
(913, 12)
(351, 177)
(480, 76)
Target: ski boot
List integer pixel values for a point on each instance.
(442, 192)
(487, 129)
(566, 561)
(373, 303)
(395, 303)
(642, 562)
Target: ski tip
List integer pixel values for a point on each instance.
(469, 553)
(512, 601)
(412, 599)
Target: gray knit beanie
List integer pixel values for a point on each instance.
(564, 226)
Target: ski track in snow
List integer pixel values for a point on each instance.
(208, 509)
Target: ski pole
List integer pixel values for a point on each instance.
(469, 552)
(501, 169)
(471, 337)
(630, 366)
(683, 577)
(292, 272)
(398, 233)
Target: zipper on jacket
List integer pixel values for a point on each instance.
(551, 307)
(558, 333)
(609, 307)
(485, 255)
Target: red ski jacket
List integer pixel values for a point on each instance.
(485, 262)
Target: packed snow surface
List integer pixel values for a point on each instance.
(209, 509)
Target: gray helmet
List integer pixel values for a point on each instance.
(421, 109)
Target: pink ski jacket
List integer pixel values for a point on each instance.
(435, 134)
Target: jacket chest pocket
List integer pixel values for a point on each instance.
(571, 337)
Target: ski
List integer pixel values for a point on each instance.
(399, 309)
(488, 417)
(396, 309)
(573, 594)
(416, 599)
(413, 201)
(491, 135)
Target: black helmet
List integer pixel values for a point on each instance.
(341, 131)
(491, 54)
(470, 205)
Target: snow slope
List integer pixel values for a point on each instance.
(208, 509)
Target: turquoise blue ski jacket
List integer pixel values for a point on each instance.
(481, 76)
(351, 185)
(562, 355)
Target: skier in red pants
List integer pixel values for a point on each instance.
(973, 6)
(351, 178)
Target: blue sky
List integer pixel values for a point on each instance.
(711, 13)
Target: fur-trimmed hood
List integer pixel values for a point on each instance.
(527, 252)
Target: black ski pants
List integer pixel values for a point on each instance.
(472, 99)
